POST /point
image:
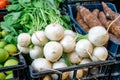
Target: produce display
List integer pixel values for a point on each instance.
(38, 30)
(106, 18)
(58, 48)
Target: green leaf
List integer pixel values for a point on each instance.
(13, 16)
(14, 7)
(11, 39)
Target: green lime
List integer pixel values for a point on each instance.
(2, 43)
(11, 48)
(2, 76)
(9, 76)
(3, 55)
(10, 62)
(4, 33)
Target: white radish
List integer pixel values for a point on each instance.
(24, 39)
(79, 74)
(41, 64)
(68, 43)
(100, 54)
(85, 61)
(39, 38)
(84, 46)
(69, 32)
(98, 35)
(36, 52)
(54, 31)
(74, 57)
(53, 51)
(60, 65)
(24, 50)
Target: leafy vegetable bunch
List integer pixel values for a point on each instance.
(32, 15)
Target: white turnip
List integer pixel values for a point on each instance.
(70, 33)
(41, 64)
(84, 46)
(68, 43)
(54, 31)
(74, 57)
(53, 51)
(39, 38)
(36, 52)
(98, 35)
(24, 39)
(99, 54)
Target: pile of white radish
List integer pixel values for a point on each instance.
(49, 46)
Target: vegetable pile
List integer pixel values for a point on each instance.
(56, 47)
(39, 30)
(88, 19)
(32, 15)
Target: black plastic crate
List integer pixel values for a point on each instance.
(102, 73)
(18, 70)
(113, 46)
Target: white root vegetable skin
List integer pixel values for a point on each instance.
(74, 57)
(79, 74)
(70, 33)
(100, 54)
(68, 43)
(53, 51)
(54, 31)
(98, 36)
(41, 64)
(59, 65)
(39, 38)
(84, 46)
(36, 52)
(24, 50)
(24, 39)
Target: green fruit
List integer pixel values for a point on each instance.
(3, 55)
(4, 33)
(11, 48)
(2, 43)
(10, 62)
(9, 76)
(2, 76)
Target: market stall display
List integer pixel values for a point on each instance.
(55, 48)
